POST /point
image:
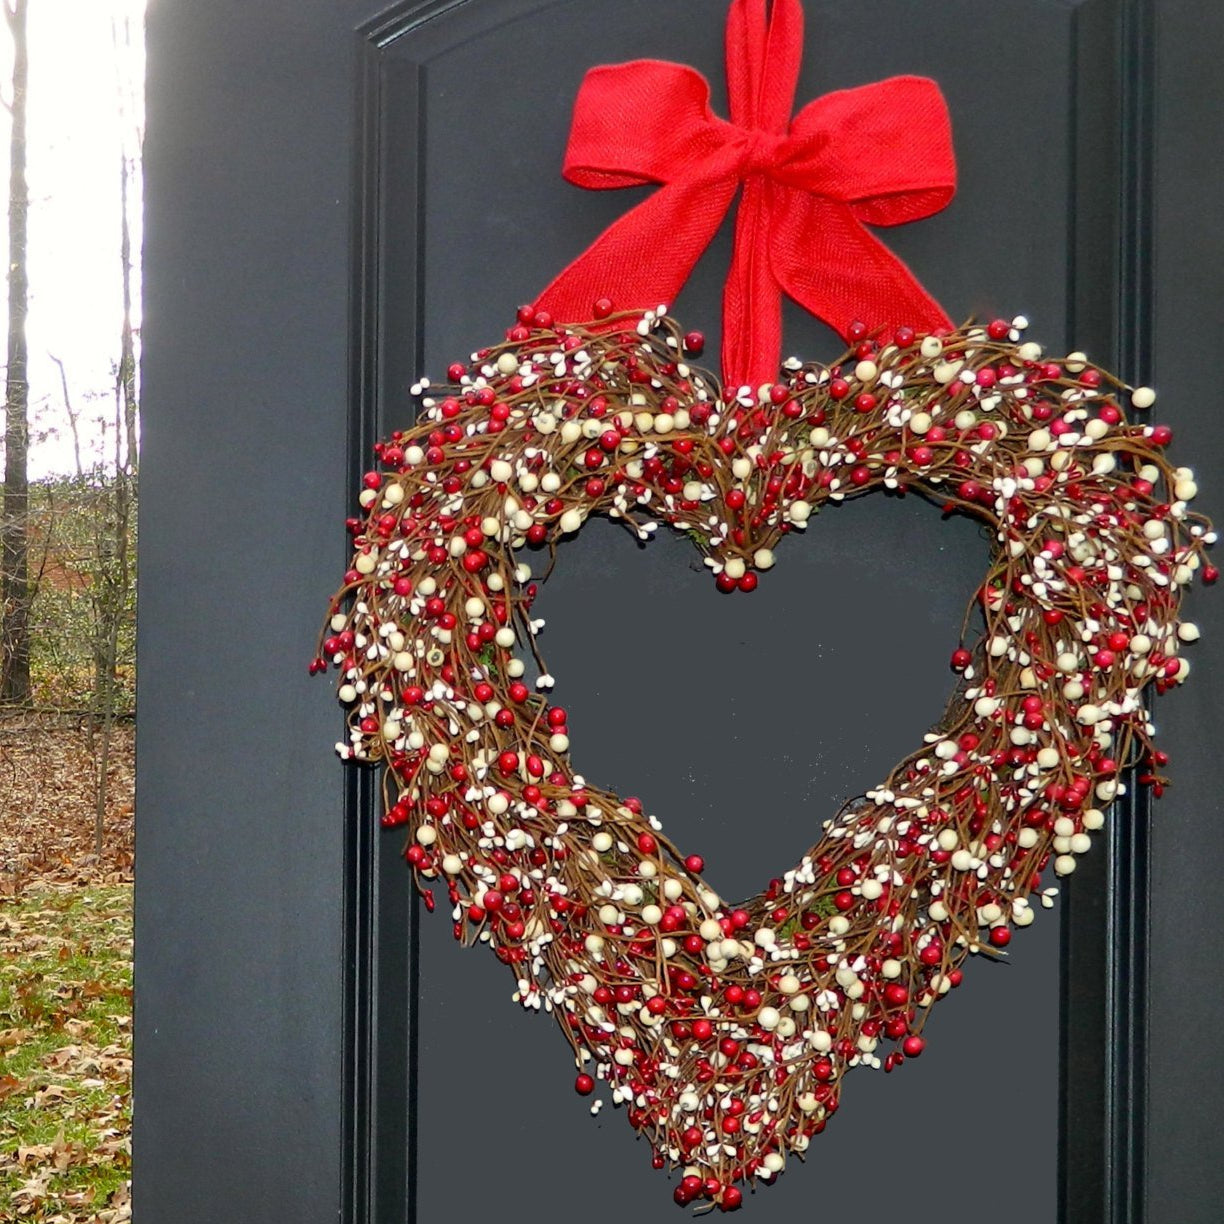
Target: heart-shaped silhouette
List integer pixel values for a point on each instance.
(726, 1030)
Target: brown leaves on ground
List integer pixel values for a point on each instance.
(47, 788)
(65, 978)
(65, 1054)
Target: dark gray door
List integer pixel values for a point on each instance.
(339, 202)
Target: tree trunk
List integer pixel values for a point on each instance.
(15, 589)
(115, 591)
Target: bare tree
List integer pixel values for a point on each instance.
(15, 589)
(117, 577)
(73, 414)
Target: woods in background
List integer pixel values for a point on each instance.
(68, 542)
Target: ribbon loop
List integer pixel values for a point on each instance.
(888, 141)
(641, 122)
(880, 154)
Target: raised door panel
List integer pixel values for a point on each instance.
(743, 723)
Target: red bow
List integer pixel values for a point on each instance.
(880, 154)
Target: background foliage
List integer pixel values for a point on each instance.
(85, 590)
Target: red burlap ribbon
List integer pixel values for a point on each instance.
(877, 155)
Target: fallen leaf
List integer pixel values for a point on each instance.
(37, 1152)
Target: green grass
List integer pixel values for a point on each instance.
(65, 1054)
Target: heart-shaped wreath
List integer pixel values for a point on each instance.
(724, 1029)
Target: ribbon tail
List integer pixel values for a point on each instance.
(642, 260)
(752, 300)
(824, 258)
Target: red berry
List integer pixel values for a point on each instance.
(913, 1046)
(584, 1085)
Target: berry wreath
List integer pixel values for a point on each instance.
(726, 1030)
